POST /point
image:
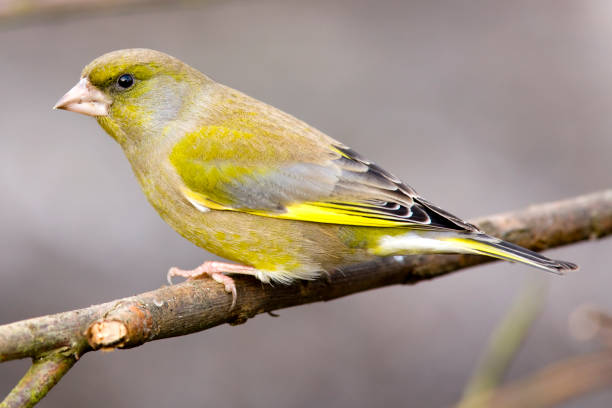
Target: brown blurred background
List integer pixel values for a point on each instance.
(482, 106)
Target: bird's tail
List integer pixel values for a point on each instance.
(483, 244)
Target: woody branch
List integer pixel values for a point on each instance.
(56, 342)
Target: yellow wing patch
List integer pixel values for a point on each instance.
(327, 213)
(200, 200)
(332, 214)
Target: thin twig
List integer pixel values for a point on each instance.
(38, 381)
(552, 385)
(198, 305)
(506, 341)
(21, 8)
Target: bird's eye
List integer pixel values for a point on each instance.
(125, 81)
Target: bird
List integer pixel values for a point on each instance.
(257, 186)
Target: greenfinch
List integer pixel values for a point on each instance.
(255, 185)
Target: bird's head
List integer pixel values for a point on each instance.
(133, 92)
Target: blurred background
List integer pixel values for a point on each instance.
(483, 107)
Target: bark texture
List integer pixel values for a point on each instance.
(56, 342)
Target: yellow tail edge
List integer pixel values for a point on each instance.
(483, 244)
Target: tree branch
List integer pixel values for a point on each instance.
(552, 385)
(10, 9)
(198, 305)
(505, 341)
(38, 381)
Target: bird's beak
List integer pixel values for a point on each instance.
(86, 99)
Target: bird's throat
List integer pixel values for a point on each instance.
(112, 128)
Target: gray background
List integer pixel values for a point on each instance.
(482, 106)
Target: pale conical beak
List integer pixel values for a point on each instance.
(86, 99)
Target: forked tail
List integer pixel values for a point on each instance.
(483, 244)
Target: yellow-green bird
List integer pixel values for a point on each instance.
(255, 185)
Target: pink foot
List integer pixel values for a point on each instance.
(216, 271)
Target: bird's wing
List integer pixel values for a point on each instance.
(226, 169)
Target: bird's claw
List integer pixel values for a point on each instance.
(214, 270)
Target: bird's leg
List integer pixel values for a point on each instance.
(217, 271)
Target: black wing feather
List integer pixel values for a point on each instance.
(398, 200)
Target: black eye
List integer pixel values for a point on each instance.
(125, 81)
